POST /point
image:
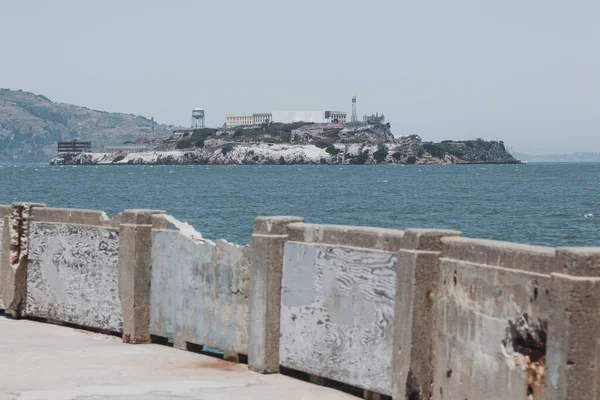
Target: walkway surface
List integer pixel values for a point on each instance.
(41, 361)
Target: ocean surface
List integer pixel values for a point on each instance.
(545, 204)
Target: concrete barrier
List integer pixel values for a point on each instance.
(15, 251)
(574, 326)
(418, 285)
(337, 303)
(356, 236)
(266, 265)
(4, 212)
(415, 314)
(135, 268)
(70, 216)
(492, 320)
(199, 292)
(73, 275)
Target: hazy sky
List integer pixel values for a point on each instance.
(523, 71)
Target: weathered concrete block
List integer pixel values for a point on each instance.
(13, 264)
(573, 332)
(337, 309)
(69, 216)
(199, 292)
(2, 240)
(135, 265)
(356, 236)
(418, 283)
(578, 261)
(266, 264)
(427, 239)
(73, 275)
(508, 255)
(4, 211)
(491, 323)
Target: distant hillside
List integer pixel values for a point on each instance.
(30, 126)
(572, 157)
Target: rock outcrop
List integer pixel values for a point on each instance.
(405, 150)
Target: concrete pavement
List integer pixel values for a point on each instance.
(41, 361)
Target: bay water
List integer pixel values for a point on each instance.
(544, 204)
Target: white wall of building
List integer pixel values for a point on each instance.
(238, 120)
(287, 117)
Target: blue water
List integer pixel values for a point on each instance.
(547, 204)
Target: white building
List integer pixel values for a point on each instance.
(286, 117)
(238, 120)
(319, 117)
(337, 116)
(248, 120)
(261, 118)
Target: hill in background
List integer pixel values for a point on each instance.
(30, 126)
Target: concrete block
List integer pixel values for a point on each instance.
(355, 236)
(491, 327)
(337, 308)
(73, 275)
(418, 283)
(199, 292)
(274, 225)
(13, 264)
(139, 216)
(503, 254)
(426, 239)
(4, 210)
(70, 216)
(266, 264)
(578, 261)
(160, 221)
(573, 332)
(597, 370)
(135, 266)
(4, 241)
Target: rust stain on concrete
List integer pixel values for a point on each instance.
(213, 364)
(535, 374)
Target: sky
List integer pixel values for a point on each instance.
(525, 72)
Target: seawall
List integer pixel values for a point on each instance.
(413, 314)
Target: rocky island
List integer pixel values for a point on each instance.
(31, 125)
(298, 143)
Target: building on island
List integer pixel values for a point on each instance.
(238, 120)
(287, 117)
(261, 118)
(337, 117)
(248, 120)
(319, 117)
(74, 146)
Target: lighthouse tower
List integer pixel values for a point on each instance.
(353, 118)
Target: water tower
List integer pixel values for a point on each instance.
(198, 118)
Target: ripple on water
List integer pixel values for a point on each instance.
(548, 204)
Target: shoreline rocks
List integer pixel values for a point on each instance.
(399, 151)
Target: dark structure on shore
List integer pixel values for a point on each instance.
(74, 146)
